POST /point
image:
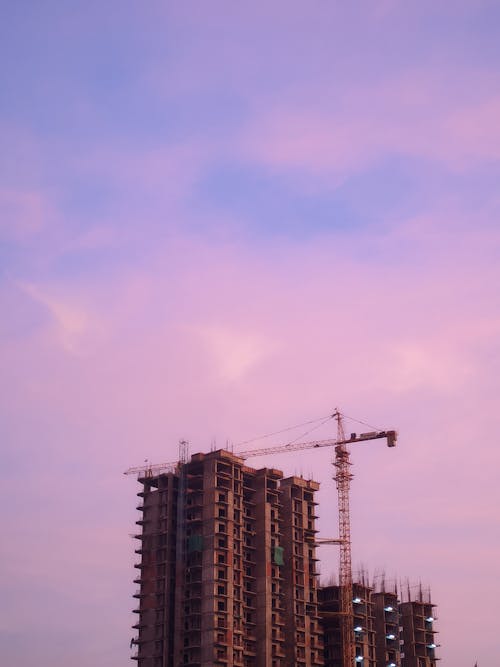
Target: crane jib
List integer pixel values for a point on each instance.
(283, 448)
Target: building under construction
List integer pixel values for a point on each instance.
(390, 629)
(227, 576)
(227, 569)
(417, 631)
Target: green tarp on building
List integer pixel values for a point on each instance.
(278, 556)
(195, 543)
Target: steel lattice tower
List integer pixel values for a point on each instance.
(343, 478)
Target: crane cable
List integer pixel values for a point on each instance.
(289, 428)
(321, 420)
(376, 428)
(302, 435)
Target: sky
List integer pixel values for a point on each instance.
(219, 219)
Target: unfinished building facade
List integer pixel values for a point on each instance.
(418, 634)
(364, 628)
(227, 574)
(387, 628)
(387, 632)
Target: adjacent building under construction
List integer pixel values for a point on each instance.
(390, 629)
(227, 576)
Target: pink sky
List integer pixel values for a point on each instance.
(219, 223)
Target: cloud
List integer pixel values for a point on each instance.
(234, 353)
(236, 340)
(417, 364)
(23, 213)
(134, 316)
(73, 325)
(414, 116)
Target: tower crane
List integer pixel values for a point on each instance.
(342, 478)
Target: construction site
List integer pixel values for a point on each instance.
(227, 570)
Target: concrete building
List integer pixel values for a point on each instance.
(304, 644)
(227, 571)
(387, 632)
(418, 635)
(364, 625)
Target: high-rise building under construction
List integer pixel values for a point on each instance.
(227, 570)
(388, 631)
(418, 633)
(363, 625)
(227, 576)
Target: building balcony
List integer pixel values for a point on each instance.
(278, 651)
(139, 594)
(138, 626)
(193, 595)
(248, 649)
(193, 640)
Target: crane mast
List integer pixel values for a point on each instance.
(342, 477)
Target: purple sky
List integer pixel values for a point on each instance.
(218, 219)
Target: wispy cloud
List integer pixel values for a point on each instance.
(234, 352)
(23, 214)
(72, 324)
(412, 116)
